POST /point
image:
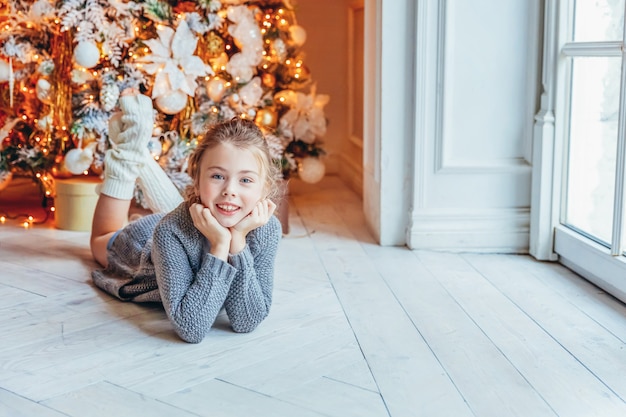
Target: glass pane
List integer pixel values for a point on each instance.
(598, 20)
(592, 145)
(624, 231)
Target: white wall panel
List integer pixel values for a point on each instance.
(484, 71)
(476, 88)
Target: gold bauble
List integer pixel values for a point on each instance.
(266, 117)
(216, 88)
(268, 80)
(214, 45)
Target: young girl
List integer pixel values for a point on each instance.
(215, 249)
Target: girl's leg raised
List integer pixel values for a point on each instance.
(129, 133)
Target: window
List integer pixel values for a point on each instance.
(590, 121)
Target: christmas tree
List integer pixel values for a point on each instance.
(63, 65)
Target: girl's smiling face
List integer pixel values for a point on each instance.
(230, 183)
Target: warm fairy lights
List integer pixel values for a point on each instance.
(61, 104)
(24, 219)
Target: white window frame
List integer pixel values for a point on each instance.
(549, 239)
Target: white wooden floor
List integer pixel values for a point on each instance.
(355, 330)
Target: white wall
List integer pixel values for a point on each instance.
(325, 22)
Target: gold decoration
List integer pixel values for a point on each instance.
(210, 46)
(269, 80)
(216, 88)
(61, 50)
(185, 114)
(266, 117)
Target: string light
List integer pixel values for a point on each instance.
(26, 219)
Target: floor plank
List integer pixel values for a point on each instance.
(106, 400)
(12, 405)
(224, 399)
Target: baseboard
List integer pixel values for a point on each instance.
(460, 230)
(351, 174)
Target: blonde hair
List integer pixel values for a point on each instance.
(243, 134)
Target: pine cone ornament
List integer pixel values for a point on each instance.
(109, 95)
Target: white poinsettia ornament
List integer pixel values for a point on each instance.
(305, 119)
(173, 62)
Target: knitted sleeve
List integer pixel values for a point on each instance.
(250, 296)
(192, 297)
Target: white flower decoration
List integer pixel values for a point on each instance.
(251, 93)
(246, 32)
(173, 62)
(305, 119)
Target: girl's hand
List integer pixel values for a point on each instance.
(219, 237)
(259, 216)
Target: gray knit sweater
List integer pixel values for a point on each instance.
(163, 258)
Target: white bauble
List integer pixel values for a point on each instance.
(43, 91)
(78, 161)
(216, 88)
(311, 169)
(81, 76)
(5, 71)
(155, 147)
(86, 54)
(298, 34)
(173, 102)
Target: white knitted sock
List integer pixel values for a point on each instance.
(129, 133)
(120, 175)
(160, 193)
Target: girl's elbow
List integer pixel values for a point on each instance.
(244, 327)
(190, 336)
(191, 339)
